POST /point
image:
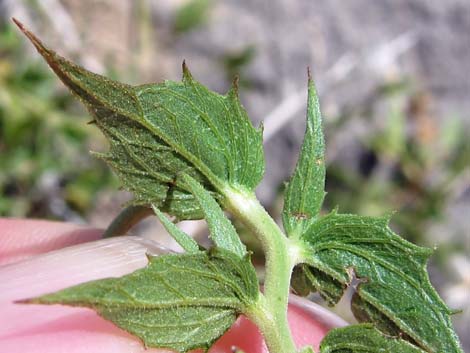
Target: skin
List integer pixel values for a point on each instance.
(37, 257)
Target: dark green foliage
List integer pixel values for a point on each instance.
(305, 191)
(179, 301)
(364, 339)
(396, 293)
(180, 147)
(395, 286)
(158, 132)
(306, 279)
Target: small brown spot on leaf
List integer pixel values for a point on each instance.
(301, 215)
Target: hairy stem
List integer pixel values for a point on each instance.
(271, 312)
(128, 217)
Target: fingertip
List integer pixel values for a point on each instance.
(73, 265)
(21, 238)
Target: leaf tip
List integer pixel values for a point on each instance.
(234, 89)
(186, 73)
(235, 84)
(35, 40)
(149, 257)
(248, 255)
(22, 301)
(18, 23)
(312, 90)
(261, 128)
(455, 311)
(386, 218)
(309, 74)
(28, 301)
(99, 155)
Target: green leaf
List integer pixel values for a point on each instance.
(158, 132)
(363, 338)
(183, 239)
(366, 312)
(306, 279)
(221, 230)
(307, 349)
(395, 292)
(179, 301)
(305, 191)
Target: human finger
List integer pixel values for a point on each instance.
(64, 326)
(22, 238)
(59, 328)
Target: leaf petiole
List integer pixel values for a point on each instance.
(127, 218)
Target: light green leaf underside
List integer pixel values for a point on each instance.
(396, 293)
(183, 239)
(222, 232)
(305, 191)
(179, 301)
(158, 132)
(363, 339)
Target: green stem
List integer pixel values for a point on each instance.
(128, 217)
(271, 312)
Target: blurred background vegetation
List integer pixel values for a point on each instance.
(45, 170)
(394, 98)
